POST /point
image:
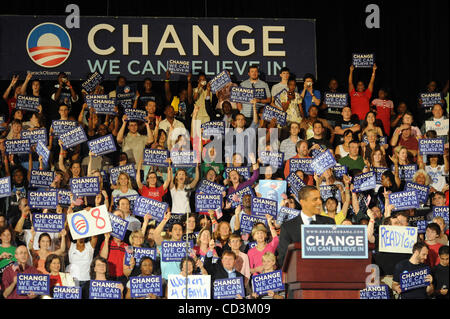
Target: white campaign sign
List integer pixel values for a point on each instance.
(94, 222)
(440, 126)
(199, 287)
(397, 239)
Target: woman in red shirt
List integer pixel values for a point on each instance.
(385, 109)
(359, 97)
(151, 191)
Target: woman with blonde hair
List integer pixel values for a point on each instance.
(180, 190)
(202, 244)
(124, 188)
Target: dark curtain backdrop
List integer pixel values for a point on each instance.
(411, 45)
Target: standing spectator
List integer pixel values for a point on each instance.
(440, 275)
(39, 256)
(353, 160)
(11, 101)
(287, 146)
(113, 250)
(65, 93)
(384, 109)
(133, 143)
(309, 95)
(432, 234)
(81, 254)
(282, 85)
(359, 97)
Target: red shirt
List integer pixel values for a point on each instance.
(155, 193)
(433, 255)
(360, 103)
(8, 278)
(55, 281)
(115, 257)
(384, 108)
(411, 143)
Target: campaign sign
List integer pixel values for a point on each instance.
(431, 146)
(174, 250)
(178, 66)
(183, 158)
(271, 112)
(213, 128)
(268, 281)
(272, 189)
(363, 60)
(422, 190)
(138, 253)
(190, 237)
(48, 222)
(322, 162)
(259, 93)
(404, 200)
(339, 170)
(143, 285)
(40, 178)
(174, 218)
(440, 126)
(327, 191)
(43, 151)
(5, 186)
(274, 159)
(156, 157)
(421, 226)
(198, 287)
(115, 172)
(131, 199)
(102, 145)
(219, 81)
(397, 239)
(73, 137)
(85, 186)
(301, 164)
(286, 214)
(414, 279)
(228, 288)
(278, 97)
(38, 284)
(205, 202)
(244, 171)
(365, 181)
(104, 289)
(102, 105)
(144, 205)
(441, 211)
(241, 94)
(89, 99)
(92, 81)
(334, 241)
(43, 199)
(94, 222)
(64, 292)
(34, 136)
(381, 140)
(28, 103)
(119, 226)
(378, 172)
(336, 100)
(127, 92)
(60, 127)
(262, 206)
(239, 194)
(19, 146)
(375, 292)
(247, 222)
(136, 115)
(430, 99)
(208, 187)
(63, 197)
(406, 172)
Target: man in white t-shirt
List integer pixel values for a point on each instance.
(283, 84)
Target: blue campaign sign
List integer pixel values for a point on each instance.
(414, 279)
(378, 172)
(295, 183)
(43, 151)
(213, 128)
(63, 197)
(404, 200)
(143, 285)
(421, 226)
(35, 135)
(74, 137)
(205, 202)
(92, 81)
(190, 237)
(228, 288)
(85, 186)
(241, 94)
(286, 214)
(183, 158)
(271, 112)
(334, 241)
(208, 187)
(406, 172)
(144, 205)
(40, 178)
(131, 198)
(38, 284)
(422, 191)
(175, 250)
(375, 292)
(126, 92)
(114, 172)
(247, 222)
(104, 289)
(156, 157)
(335, 100)
(102, 145)
(239, 194)
(274, 159)
(138, 253)
(301, 164)
(431, 146)
(43, 199)
(430, 99)
(101, 105)
(5, 186)
(89, 99)
(244, 171)
(19, 146)
(259, 93)
(277, 97)
(64, 292)
(339, 170)
(178, 66)
(119, 226)
(365, 181)
(262, 206)
(174, 218)
(219, 81)
(271, 281)
(28, 103)
(327, 191)
(48, 222)
(136, 115)
(441, 211)
(60, 127)
(322, 162)
(363, 60)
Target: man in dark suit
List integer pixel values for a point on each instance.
(311, 203)
(223, 268)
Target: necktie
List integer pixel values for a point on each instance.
(309, 220)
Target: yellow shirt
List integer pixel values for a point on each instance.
(338, 218)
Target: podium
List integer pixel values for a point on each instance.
(323, 278)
